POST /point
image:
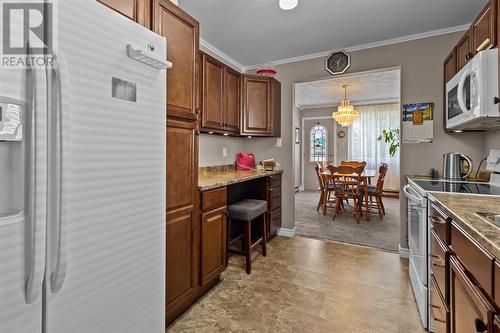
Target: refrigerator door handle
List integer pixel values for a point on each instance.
(34, 272)
(58, 275)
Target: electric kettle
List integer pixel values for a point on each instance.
(456, 166)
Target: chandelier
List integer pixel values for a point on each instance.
(345, 114)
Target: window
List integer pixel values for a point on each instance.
(319, 144)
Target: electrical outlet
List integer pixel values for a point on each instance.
(279, 142)
(224, 152)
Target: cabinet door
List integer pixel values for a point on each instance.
(213, 244)
(212, 116)
(496, 324)
(182, 226)
(276, 107)
(483, 29)
(137, 10)
(256, 106)
(470, 311)
(464, 52)
(182, 33)
(450, 66)
(233, 100)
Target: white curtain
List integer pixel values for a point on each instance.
(363, 144)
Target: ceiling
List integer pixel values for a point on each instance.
(364, 88)
(258, 31)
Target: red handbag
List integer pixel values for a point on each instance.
(245, 161)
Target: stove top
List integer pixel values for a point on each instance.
(458, 187)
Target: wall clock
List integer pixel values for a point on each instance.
(341, 134)
(338, 62)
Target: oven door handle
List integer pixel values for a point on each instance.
(411, 196)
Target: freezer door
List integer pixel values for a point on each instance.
(106, 262)
(22, 200)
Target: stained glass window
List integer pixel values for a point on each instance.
(319, 144)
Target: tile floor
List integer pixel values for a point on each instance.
(309, 285)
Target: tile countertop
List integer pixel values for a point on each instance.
(463, 207)
(208, 180)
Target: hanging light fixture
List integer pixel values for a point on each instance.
(345, 115)
(288, 4)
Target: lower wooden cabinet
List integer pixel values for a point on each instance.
(439, 311)
(274, 205)
(213, 244)
(471, 311)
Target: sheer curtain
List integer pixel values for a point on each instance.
(363, 144)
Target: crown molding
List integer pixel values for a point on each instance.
(222, 55)
(386, 42)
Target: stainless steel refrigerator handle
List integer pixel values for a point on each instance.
(34, 274)
(58, 275)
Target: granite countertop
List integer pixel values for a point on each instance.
(211, 178)
(463, 209)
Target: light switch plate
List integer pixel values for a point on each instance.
(224, 152)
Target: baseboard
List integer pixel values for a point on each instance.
(404, 252)
(286, 232)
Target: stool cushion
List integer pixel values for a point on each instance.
(247, 209)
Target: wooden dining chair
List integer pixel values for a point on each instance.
(326, 200)
(346, 188)
(376, 192)
(354, 164)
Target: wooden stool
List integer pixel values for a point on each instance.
(246, 211)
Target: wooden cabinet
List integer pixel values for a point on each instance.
(232, 100)
(182, 33)
(274, 205)
(450, 66)
(213, 244)
(464, 50)
(182, 251)
(137, 10)
(496, 324)
(471, 311)
(212, 114)
(221, 96)
(484, 28)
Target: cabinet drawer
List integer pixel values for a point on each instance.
(214, 199)
(274, 198)
(274, 221)
(440, 222)
(274, 181)
(497, 283)
(470, 310)
(439, 264)
(478, 262)
(438, 310)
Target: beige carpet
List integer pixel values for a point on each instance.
(382, 234)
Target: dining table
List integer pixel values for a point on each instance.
(366, 177)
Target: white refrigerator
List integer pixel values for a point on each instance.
(82, 178)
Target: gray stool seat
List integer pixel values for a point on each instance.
(247, 209)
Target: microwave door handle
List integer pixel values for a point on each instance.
(461, 97)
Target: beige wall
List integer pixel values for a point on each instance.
(492, 141)
(211, 147)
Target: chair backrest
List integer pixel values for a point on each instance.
(350, 185)
(354, 164)
(319, 169)
(382, 172)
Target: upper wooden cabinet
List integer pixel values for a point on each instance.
(232, 100)
(182, 33)
(261, 110)
(212, 108)
(484, 28)
(137, 10)
(450, 66)
(221, 97)
(464, 50)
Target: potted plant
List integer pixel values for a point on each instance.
(392, 137)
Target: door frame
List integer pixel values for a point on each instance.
(302, 143)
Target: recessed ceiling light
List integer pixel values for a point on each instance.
(288, 4)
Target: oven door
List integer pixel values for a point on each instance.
(417, 243)
(463, 97)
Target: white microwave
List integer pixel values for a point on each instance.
(471, 95)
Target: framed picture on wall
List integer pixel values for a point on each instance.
(297, 135)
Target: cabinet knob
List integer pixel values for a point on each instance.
(481, 327)
(198, 111)
(197, 132)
